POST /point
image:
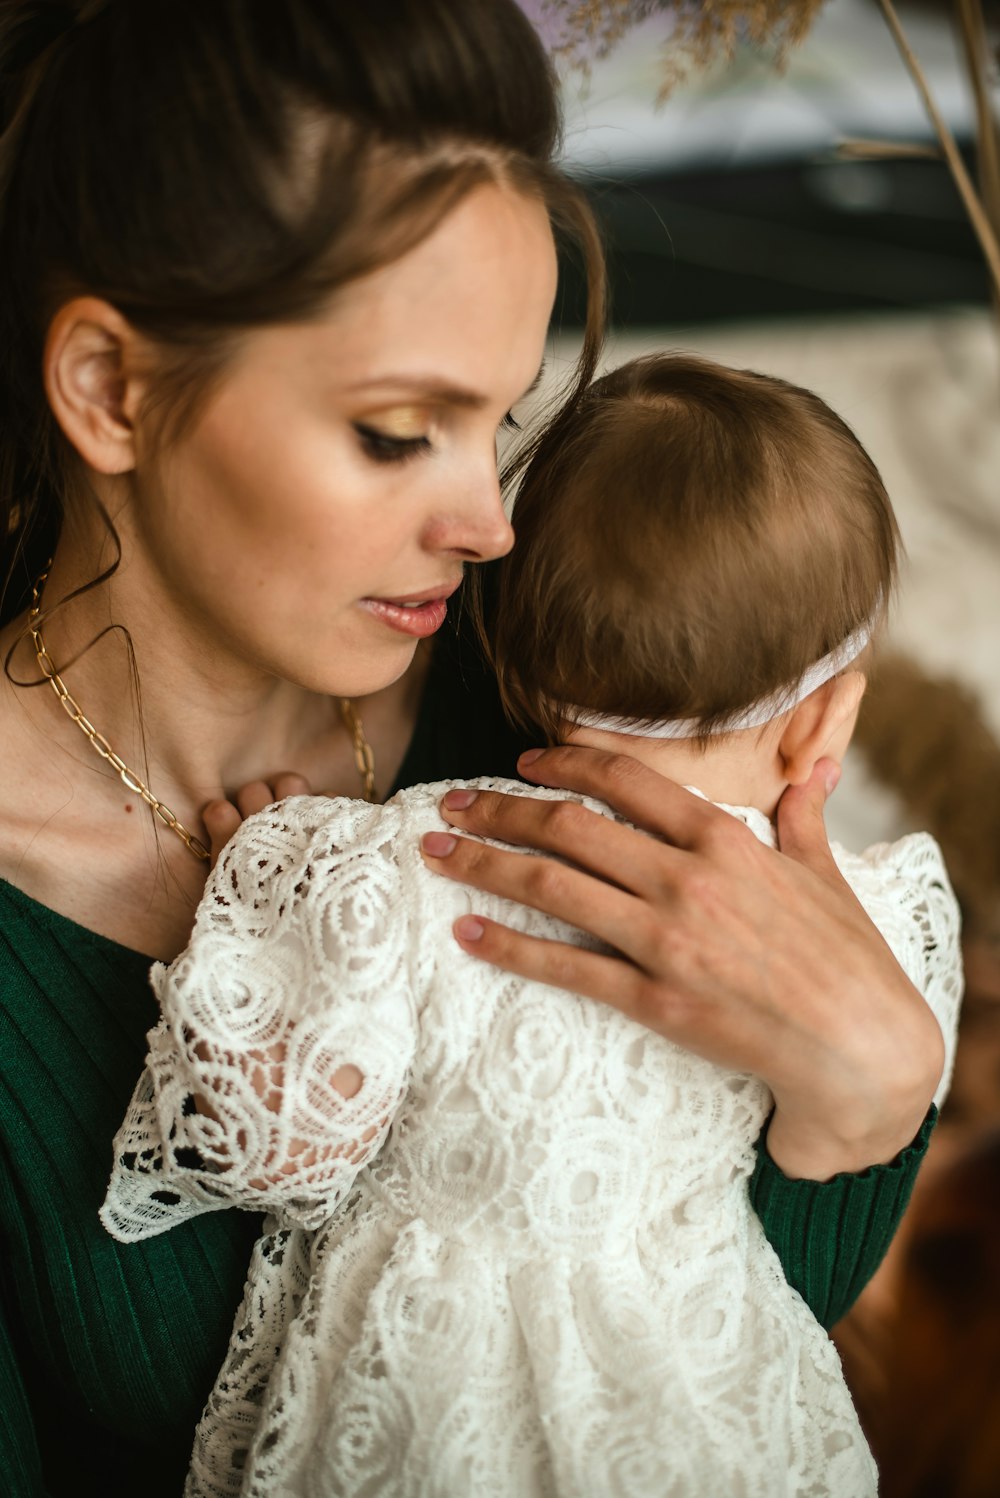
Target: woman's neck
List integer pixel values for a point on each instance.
(192, 723)
(186, 709)
(160, 695)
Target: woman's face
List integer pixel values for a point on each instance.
(321, 508)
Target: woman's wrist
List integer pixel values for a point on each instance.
(868, 1122)
(803, 1151)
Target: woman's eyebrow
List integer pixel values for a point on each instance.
(432, 387)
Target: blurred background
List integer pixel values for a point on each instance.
(738, 225)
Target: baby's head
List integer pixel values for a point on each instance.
(691, 541)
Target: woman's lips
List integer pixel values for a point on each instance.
(418, 617)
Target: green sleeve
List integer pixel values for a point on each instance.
(832, 1235)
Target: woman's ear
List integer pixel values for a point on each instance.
(821, 726)
(92, 382)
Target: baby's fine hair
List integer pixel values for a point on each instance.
(690, 539)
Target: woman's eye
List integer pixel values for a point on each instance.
(383, 448)
(509, 424)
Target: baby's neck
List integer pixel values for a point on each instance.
(741, 769)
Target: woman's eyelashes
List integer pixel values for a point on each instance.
(385, 447)
(397, 446)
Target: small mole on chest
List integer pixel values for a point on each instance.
(129, 807)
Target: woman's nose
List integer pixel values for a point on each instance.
(474, 526)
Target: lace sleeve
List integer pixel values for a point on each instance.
(912, 903)
(287, 1028)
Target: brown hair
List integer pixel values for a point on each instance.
(212, 167)
(690, 538)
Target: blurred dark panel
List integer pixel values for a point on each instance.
(783, 240)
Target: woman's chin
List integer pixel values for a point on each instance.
(375, 676)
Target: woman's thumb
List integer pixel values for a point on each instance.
(801, 829)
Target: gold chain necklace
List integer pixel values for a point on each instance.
(364, 754)
(364, 757)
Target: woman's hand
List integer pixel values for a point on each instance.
(757, 960)
(223, 819)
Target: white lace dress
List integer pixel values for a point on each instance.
(520, 1260)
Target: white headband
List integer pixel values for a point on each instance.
(754, 716)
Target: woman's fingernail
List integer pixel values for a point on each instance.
(438, 844)
(469, 929)
(459, 800)
(832, 778)
(530, 755)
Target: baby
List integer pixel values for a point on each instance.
(511, 1249)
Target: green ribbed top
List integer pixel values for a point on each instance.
(117, 1346)
(108, 1351)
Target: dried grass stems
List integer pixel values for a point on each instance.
(983, 207)
(703, 33)
(700, 34)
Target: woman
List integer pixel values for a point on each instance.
(275, 275)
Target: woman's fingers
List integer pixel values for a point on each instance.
(608, 913)
(617, 854)
(646, 798)
(257, 794)
(596, 975)
(678, 967)
(689, 1014)
(801, 828)
(221, 820)
(758, 961)
(253, 797)
(289, 784)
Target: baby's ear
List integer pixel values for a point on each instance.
(821, 726)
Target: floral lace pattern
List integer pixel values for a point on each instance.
(511, 1248)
